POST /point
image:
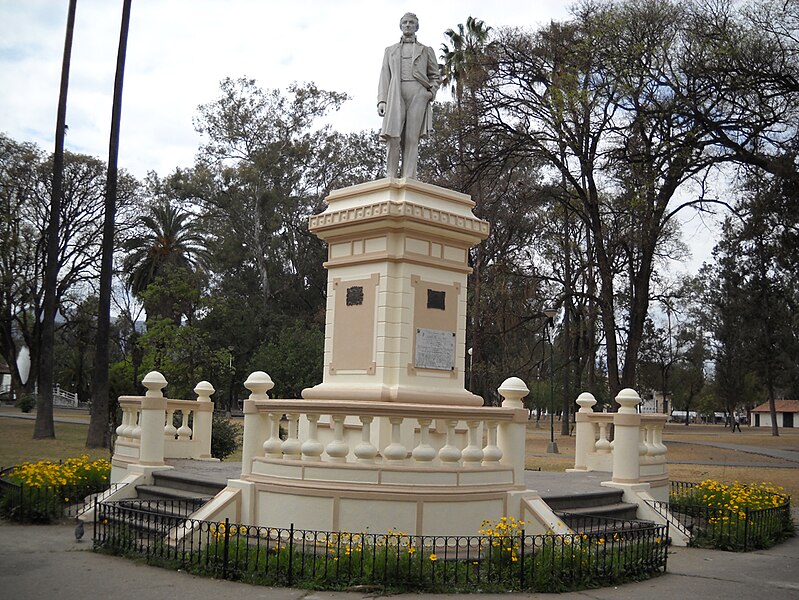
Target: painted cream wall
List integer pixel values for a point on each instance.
(392, 241)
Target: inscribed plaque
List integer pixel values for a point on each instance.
(435, 349)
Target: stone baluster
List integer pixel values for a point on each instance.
(135, 428)
(292, 447)
(424, 452)
(450, 453)
(337, 449)
(120, 430)
(184, 431)
(256, 425)
(312, 448)
(151, 422)
(626, 447)
(648, 435)
(602, 444)
(473, 453)
(125, 429)
(660, 447)
(203, 420)
(395, 452)
(366, 451)
(491, 453)
(273, 446)
(169, 428)
(643, 449)
(585, 434)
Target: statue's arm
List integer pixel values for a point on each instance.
(433, 74)
(385, 80)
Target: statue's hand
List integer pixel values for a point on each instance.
(381, 109)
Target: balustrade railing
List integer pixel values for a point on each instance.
(418, 435)
(637, 452)
(154, 427)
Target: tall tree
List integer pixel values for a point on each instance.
(25, 192)
(44, 427)
(463, 69)
(170, 242)
(259, 172)
(586, 97)
(755, 294)
(99, 435)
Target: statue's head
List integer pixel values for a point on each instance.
(409, 23)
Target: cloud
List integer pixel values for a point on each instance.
(179, 50)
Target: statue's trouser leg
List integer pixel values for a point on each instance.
(415, 97)
(392, 156)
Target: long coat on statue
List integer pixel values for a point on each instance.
(425, 71)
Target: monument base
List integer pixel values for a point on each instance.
(398, 263)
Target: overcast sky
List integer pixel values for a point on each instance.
(179, 51)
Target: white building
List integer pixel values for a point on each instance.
(786, 414)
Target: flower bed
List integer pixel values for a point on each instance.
(503, 558)
(732, 517)
(44, 490)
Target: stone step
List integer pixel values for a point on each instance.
(187, 482)
(160, 492)
(618, 510)
(593, 498)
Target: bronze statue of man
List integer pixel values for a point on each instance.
(408, 83)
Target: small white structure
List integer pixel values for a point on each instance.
(786, 414)
(654, 402)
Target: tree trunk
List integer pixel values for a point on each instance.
(44, 427)
(99, 435)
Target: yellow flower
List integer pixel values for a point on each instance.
(433, 558)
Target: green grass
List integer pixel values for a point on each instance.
(18, 446)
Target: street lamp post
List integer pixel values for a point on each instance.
(552, 446)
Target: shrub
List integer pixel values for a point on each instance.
(26, 402)
(225, 437)
(72, 471)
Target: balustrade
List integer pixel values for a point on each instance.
(147, 433)
(637, 451)
(440, 436)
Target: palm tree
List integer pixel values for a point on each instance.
(44, 426)
(462, 68)
(463, 58)
(99, 435)
(170, 243)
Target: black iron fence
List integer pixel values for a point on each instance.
(390, 561)
(740, 529)
(42, 504)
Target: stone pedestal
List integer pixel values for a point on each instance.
(396, 298)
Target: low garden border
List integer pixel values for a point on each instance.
(734, 526)
(43, 504)
(44, 491)
(506, 560)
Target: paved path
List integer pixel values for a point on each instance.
(41, 562)
(789, 455)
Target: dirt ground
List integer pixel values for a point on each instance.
(685, 446)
